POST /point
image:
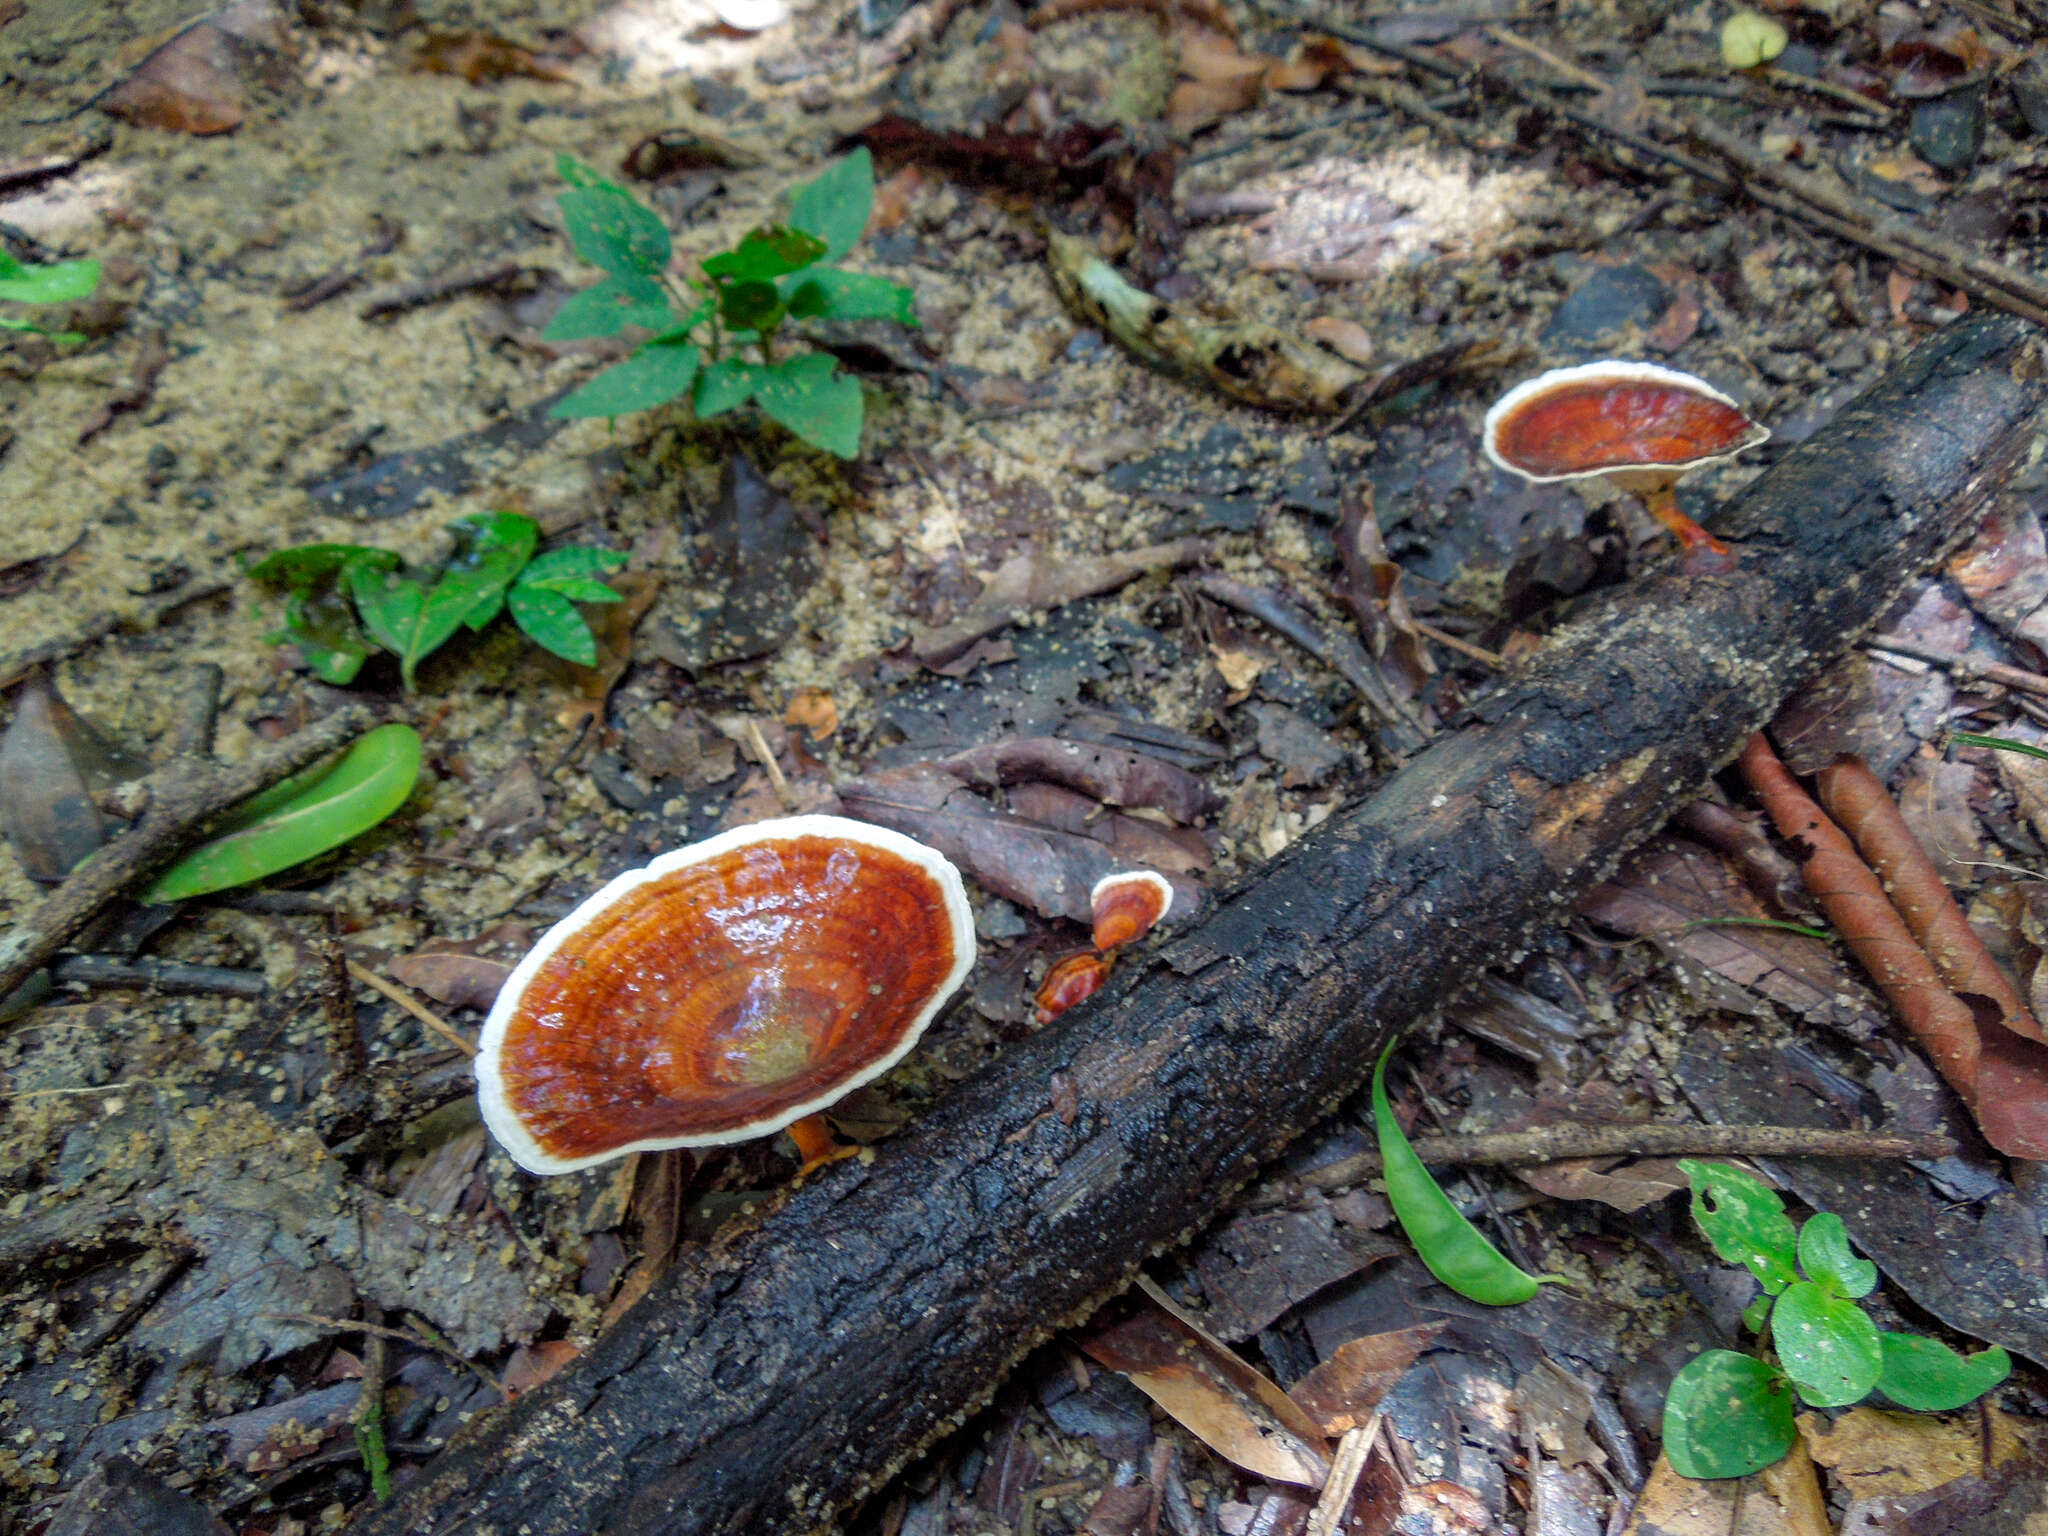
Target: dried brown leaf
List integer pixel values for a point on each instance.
(1342, 1392)
(1214, 1395)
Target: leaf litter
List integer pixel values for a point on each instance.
(1069, 628)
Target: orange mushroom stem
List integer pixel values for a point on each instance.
(1638, 426)
(722, 993)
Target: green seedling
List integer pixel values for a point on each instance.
(300, 818)
(56, 282)
(718, 337)
(343, 601)
(1454, 1250)
(1730, 1414)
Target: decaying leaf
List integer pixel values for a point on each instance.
(1874, 1453)
(46, 803)
(1214, 1395)
(1782, 1500)
(195, 82)
(1670, 890)
(465, 973)
(1038, 866)
(481, 56)
(1035, 580)
(1110, 774)
(1259, 1264)
(1257, 364)
(1626, 1187)
(581, 691)
(1342, 1392)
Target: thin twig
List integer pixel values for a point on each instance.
(1962, 668)
(171, 977)
(417, 1341)
(1478, 653)
(184, 797)
(757, 743)
(1339, 652)
(413, 1006)
(1563, 1143)
(445, 285)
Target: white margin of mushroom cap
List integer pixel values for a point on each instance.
(1621, 370)
(498, 1114)
(1138, 877)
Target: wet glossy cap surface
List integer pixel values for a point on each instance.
(1576, 422)
(1127, 907)
(724, 991)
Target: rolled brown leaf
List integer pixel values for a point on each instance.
(2000, 1074)
(1862, 808)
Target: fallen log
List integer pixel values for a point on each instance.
(791, 1367)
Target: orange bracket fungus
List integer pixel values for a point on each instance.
(1637, 426)
(1074, 980)
(1127, 906)
(723, 992)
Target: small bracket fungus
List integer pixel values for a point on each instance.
(1074, 980)
(1635, 425)
(723, 992)
(1126, 907)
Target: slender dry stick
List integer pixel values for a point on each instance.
(1563, 1143)
(413, 1006)
(183, 798)
(1962, 668)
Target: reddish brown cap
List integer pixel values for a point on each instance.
(1599, 418)
(722, 992)
(1127, 906)
(1074, 980)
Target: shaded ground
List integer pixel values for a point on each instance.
(194, 1213)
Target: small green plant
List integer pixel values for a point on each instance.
(716, 336)
(1730, 1414)
(300, 818)
(56, 282)
(330, 587)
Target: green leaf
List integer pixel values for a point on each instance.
(1827, 1344)
(1926, 1374)
(1757, 1314)
(310, 565)
(835, 207)
(657, 373)
(490, 549)
(819, 406)
(750, 306)
(9, 323)
(1727, 1415)
(406, 618)
(577, 174)
(774, 250)
(56, 282)
(576, 561)
(612, 230)
(725, 384)
(1446, 1241)
(838, 295)
(606, 308)
(1825, 1255)
(553, 623)
(318, 810)
(1745, 1221)
(321, 623)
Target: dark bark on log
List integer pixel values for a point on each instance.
(792, 1367)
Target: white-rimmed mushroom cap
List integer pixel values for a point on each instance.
(724, 991)
(1608, 417)
(1127, 906)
